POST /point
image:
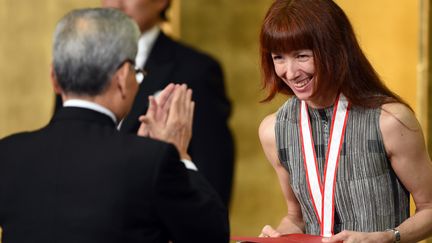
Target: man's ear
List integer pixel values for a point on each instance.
(56, 86)
(163, 4)
(120, 79)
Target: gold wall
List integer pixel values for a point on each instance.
(388, 33)
(26, 98)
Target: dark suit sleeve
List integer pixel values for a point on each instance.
(189, 208)
(212, 146)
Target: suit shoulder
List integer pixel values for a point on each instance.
(22, 142)
(12, 139)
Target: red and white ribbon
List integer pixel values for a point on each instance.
(322, 191)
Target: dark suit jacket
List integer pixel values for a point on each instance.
(211, 147)
(80, 180)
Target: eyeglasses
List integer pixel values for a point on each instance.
(139, 72)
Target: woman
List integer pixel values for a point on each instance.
(347, 151)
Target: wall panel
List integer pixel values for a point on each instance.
(26, 98)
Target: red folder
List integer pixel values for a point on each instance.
(289, 238)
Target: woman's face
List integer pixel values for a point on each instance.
(297, 70)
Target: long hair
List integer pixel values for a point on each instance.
(340, 64)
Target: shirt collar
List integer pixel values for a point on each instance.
(90, 105)
(145, 45)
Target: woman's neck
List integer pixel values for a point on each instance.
(322, 101)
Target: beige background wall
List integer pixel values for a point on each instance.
(388, 32)
(229, 31)
(26, 97)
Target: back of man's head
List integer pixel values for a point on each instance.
(89, 46)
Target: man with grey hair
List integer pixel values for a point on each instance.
(167, 60)
(80, 180)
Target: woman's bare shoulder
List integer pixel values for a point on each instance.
(266, 128)
(397, 115)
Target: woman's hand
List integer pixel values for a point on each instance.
(268, 231)
(360, 237)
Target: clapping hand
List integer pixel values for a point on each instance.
(169, 117)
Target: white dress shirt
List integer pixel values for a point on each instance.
(145, 44)
(91, 106)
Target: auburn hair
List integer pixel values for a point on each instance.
(340, 64)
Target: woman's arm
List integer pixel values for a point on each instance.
(293, 221)
(405, 147)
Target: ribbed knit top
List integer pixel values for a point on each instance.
(368, 196)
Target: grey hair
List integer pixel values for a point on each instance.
(89, 46)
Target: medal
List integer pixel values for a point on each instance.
(322, 191)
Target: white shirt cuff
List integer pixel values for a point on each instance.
(189, 164)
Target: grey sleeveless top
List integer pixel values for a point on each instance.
(368, 196)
